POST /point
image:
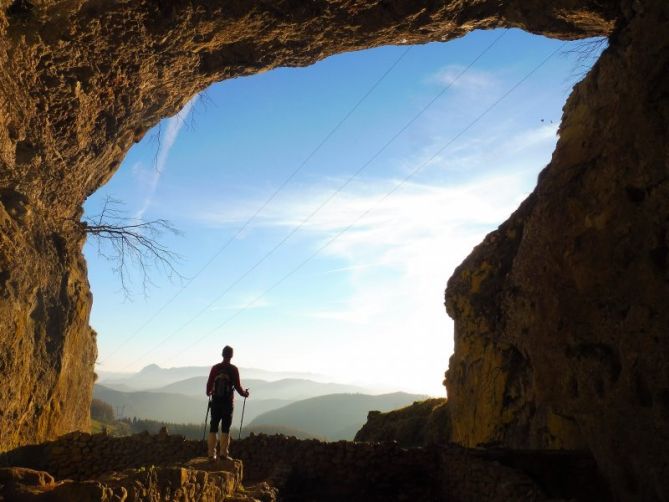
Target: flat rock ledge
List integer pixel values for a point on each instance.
(198, 479)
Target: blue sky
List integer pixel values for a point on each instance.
(355, 284)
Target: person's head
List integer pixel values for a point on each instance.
(227, 352)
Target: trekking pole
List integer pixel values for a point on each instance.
(206, 415)
(241, 424)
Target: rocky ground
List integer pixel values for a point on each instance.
(198, 479)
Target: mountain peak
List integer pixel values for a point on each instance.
(151, 368)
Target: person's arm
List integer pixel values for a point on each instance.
(238, 385)
(210, 381)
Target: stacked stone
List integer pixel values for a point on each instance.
(464, 476)
(87, 456)
(366, 471)
(313, 470)
(260, 454)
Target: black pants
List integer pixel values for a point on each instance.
(221, 411)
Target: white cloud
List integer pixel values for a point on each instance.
(458, 77)
(173, 126)
(494, 151)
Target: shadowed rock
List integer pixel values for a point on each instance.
(419, 424)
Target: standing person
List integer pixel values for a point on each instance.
(223, 381)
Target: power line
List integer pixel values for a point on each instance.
(267, 202)
(332, 196)
(411, 174)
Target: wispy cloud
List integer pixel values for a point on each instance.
(246, 302)
(496, 151)
(172, 126)
(415, 239)
(494, 168)
(472, 79)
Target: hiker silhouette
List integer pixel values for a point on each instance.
(222, 382)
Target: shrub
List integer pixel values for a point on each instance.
(102, 411)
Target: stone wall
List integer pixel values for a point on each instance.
(82, 456)
(312, 470)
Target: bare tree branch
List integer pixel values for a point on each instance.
(586, 53)
(156, 137)
(128, 243)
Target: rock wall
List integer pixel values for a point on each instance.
(561, 315)
(47, 348)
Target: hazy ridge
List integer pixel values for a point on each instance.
(153, 376)
(335, 416)
(279, 402)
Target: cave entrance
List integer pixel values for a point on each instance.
(323, 209)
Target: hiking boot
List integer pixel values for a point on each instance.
(211, 446)
(225, 444)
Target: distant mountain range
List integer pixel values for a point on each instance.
(281, 401)
(169, 407)
(185, 401)
(292, 389)
(153, 376)
(177, 408)
(336, 416)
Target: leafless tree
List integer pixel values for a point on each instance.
(132, 243)
(586, 53)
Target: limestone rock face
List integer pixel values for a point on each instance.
(561, 318)
(47, 348)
